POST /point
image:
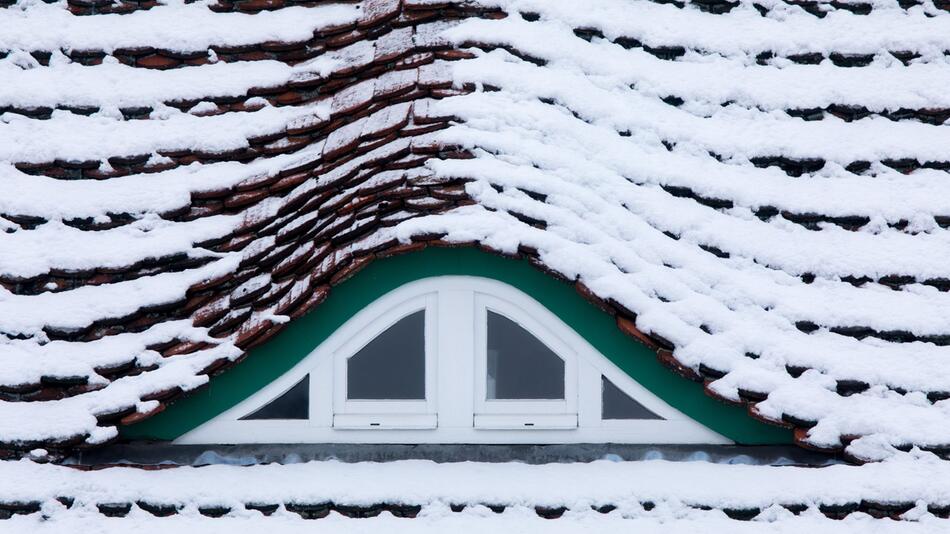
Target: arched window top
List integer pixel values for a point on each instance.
(519, 365)
(454, 359)
(392, 365)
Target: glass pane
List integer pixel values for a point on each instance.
(619, 405)
(292, 404)
(519, 365)
(392, 366)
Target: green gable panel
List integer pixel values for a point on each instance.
(275, 357)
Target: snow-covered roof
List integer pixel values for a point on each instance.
(602, 496)
(761, 188)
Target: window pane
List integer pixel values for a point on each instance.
(292, 404)
(392, 366)
(519, 365)
(618, 405)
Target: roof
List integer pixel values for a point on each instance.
(602, 496)
(757, 191)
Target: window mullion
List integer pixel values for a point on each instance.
(321, 393)
(455, 357)
(588, 394)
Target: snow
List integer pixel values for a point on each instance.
(80, 307)
(57, 246)
(743, 30)
(677, 492)
(72, 84)
(177, 27)
(556, 131)
(41, 141)
(469, 521)
(158, 192)
(906, 478)
(601, 99)
(583, 142)
(718, 78)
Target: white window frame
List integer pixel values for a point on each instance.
(455, 409)
(388, 414)
(511, 413)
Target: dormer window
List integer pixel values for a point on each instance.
(453, 359)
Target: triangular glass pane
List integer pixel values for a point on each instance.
(392, 366)
(520, 366)
(619, 405)
(292, 404)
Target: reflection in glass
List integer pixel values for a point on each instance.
(292, 404)
(392, 366)
(619, 405)
(519, 365)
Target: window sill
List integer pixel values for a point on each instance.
(525, 421)
(385, 421)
